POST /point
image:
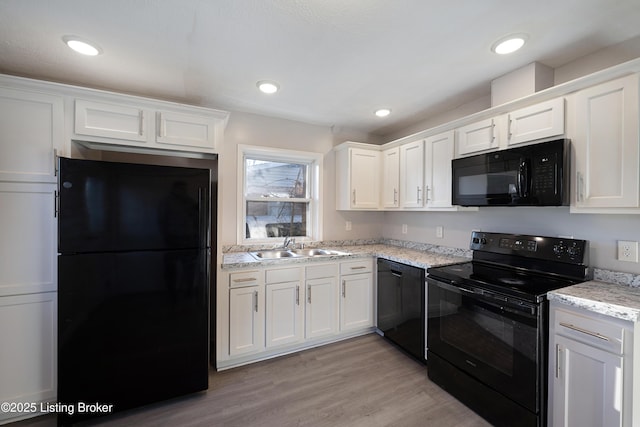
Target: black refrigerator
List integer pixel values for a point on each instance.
(133, 284)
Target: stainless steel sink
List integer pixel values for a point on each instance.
(275, 254)
(311, 252)
(294, 253)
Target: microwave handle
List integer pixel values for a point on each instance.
(524, 178)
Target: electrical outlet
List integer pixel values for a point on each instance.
(440, 232)
(404, 228)
(627, 251)
(347, 226)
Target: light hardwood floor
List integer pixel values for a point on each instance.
(364, 381)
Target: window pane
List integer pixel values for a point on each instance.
(275, 179)
(276, 219)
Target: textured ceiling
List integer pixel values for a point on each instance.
(336, 61)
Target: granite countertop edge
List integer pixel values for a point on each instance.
(610, 299)
(415, 257)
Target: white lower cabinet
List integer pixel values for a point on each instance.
(356, 302)
(321, 314)
(590, 369)
(274, 310)
(246, 320)
(28, 354)
(284, 313)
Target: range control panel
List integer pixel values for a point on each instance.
(572, 251)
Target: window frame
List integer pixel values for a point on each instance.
(314, 185)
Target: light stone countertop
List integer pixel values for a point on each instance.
(615, 300)
(414, 257)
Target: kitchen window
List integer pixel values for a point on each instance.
(280, 195)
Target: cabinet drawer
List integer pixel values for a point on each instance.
(245, 278)
(592, 331)
(321, 271)
(355, 267)
(280, 275)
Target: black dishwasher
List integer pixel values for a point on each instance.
(401, 313)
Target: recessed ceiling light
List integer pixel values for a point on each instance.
(509, 44)
(383, 112)
(82, 46)
(267, 86)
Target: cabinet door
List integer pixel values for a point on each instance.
(438, 156)
(285, 313)
(32, 127)
(479, 136)
(246, 320)
(588, 385)
(29, 349)
(390, 177)
(356, 304)
(111, 120)
(412, 175)
(186, 130)
(28, 246)
(606, 142)
(542, 120)
(363, 169)
(322, 303)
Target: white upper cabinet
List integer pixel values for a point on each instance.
(149, 126)
(32, 128)
(605, 140)
(412, 174)
(111, 120)
(187, 130)
(477, 137)
(438, 155)
(357, 177)
(542, 120)
(391, 178)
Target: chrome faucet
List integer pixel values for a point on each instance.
(289, 241)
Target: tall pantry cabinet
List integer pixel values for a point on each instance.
(32, 124)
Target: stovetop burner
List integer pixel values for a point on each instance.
(523, 266)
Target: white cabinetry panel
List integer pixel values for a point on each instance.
(246, 320)
(32, 126)
(438, 155)
(28, 246)
(111, 120)
(322, 303)
(412, 174)
(390, 177)
(284, 313)
(542, 120)
(29, 349)
(606, 144)
(476, 137)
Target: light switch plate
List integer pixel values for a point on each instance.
(627, 251)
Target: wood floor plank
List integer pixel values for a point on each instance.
(361, 382)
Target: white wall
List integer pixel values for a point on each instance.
(252, 129)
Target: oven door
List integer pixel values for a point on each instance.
(496, 342)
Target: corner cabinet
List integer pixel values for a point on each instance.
(357, 176)
(606, 140)
(590, 369)
(148, 125)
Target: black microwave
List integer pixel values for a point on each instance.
(533, 175)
